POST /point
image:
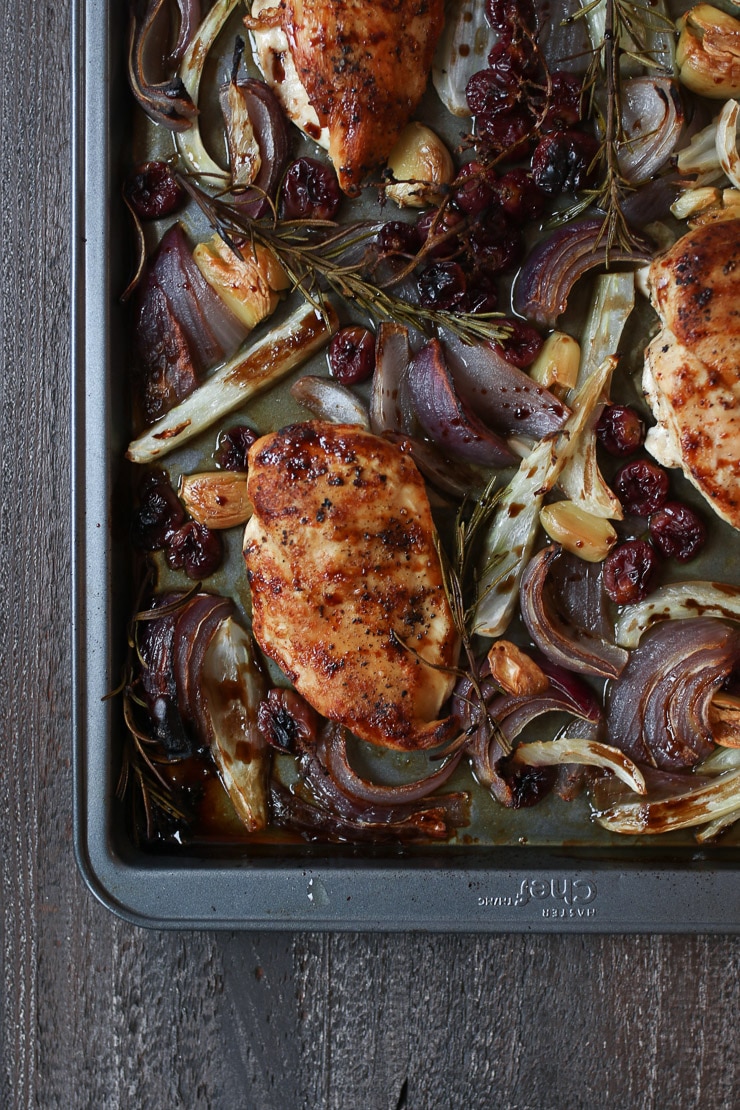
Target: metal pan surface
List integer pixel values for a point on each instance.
(551, 883)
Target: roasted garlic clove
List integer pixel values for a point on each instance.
(589, 537)
(515, 672)
(249, 284)
(419, 161)
(216, 498)
(556, 366)
(708, 52)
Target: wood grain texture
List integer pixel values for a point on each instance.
(96, 1013)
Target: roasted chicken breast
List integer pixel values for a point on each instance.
(347, 590)
(692, 367)
(349, 73)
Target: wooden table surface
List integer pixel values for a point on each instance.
(97, 1013)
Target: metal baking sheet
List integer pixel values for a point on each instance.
(547, 883)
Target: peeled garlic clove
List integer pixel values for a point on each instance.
(216, 498)
(515, 672)
(418, 162)
(708, 52)
(558, 361)
(589, 537)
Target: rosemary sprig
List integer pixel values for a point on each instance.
(314, 255)
(460, 582)
(625, 22)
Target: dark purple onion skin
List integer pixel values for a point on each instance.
(164, 99)
(273, 139)
(170, 652)
(562, 642)
(189, 23)
(500, 393)
(657, 712)
(551, 270)
(176, 317)
(443, 416)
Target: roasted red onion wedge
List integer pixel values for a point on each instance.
(444, 416)
(437, 820)
(576, 648)
(551, 270)
(165, 100)
(332, 751)
(189, 20)
(335, 799)
(652, 120)
(182, 327)
(500, 393)
(658, 711)
(202, 686)
(450, 476)
(254, 118)
(509, 715)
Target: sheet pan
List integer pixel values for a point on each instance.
(623, 888)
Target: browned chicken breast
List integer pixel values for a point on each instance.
(357, 71)
(692, 367)
(346, 584)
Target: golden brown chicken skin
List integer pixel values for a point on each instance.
(364, 67)
(347, 590)
(692, 367)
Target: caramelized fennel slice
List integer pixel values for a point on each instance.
(679, 601)
(510, 540)
(682, 811)
(581, 480)
(249, 372)
(589, 753)
(233, 687)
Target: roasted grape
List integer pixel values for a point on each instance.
(522, 345)
(629, 572)
(310, 191)
(438, 232)
(620, 430)
(494, 245)
(519, 196)
(563, 162)
(159, 514)
(677, 531)
(233, 447)
(475, 189)
(397, 237)
(442, 285)
(482, 293)
(153, 191)
(195, 549)
(352, 355)
(641, 486)
(503, 14)
(564, 107)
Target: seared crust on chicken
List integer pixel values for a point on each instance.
(364, 67)
(347, 590)
(698, 429)
(692, 367)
